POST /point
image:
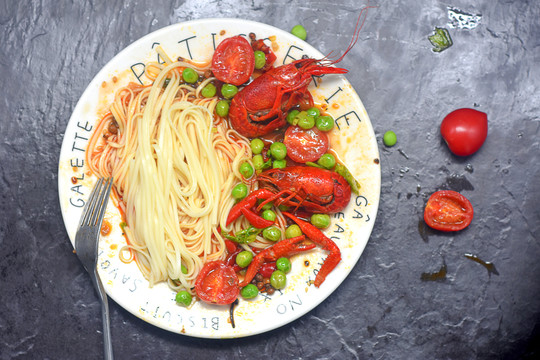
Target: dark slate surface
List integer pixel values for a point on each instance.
(51, 51)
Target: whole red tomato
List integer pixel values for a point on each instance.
(464, 130)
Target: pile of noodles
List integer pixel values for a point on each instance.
(174, 164)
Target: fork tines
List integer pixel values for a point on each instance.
(97, 203)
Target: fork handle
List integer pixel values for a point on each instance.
(107, 344)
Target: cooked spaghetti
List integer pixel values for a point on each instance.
(174, 165)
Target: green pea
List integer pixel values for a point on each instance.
(301, 116)
(291, 116)
(283, 264)
(284, 207)
(249, 291)
(299, 31)
(260, 59)
(327, 161)
(257, 146)
(222, 108)
(246, 170)
(324, 123)
(183, 298)
(272, 233)
(293, 231)
(239, 191)
(321, 221)
(243, 258)
(279, 164)
(313, 111)
(183, 269)
(307, 122)
(190, 76)
(209, 90)
(389, 138)
(278, 150)
(267, 206)
(228, 91)
(269, 215)
(278, 279)
(258, 162)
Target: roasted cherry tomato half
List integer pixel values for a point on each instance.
(233, 61)
(305, 145)
(464, 130)
(447, 210)
(217, 283)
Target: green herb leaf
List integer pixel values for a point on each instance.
(441, 40)
(309, 163)
(243, 236)
(343, 171)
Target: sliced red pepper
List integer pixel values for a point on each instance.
(267, 269)
(231, 246)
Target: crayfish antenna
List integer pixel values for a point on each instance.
(355, 37)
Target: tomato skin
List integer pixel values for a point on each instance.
(465, 131)
(447, 210)
(233, 61)
(305, 145)
(217, 283)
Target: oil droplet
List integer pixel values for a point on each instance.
(424, 230)
(335, 105)
(222, 32)
(106, 228)
(73, 179)
(435, 276)
(457, 183)
(306, 263)
(104, 84)
(469, 168)
(376, 161)
(490, 267)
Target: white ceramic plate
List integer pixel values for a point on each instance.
(353, 139)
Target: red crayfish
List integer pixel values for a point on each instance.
(284, 248)
(262, 106)
(316, 190)
(289, 247)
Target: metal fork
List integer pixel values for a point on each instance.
(86, 247)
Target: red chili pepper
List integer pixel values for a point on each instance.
(256, 220)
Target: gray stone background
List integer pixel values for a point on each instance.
(50, 51)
